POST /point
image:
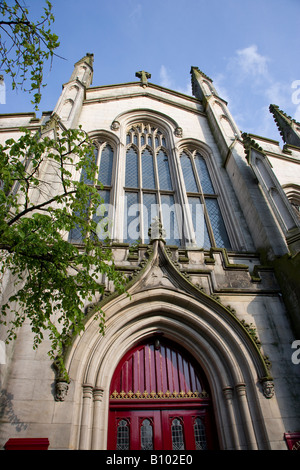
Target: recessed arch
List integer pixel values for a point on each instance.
(192, 145)
(105, 135)
(159, 373)
(136, 115)
(232, 364)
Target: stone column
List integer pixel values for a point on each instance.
(228, 393)
(84, 443)
(246, 417)
(96, 433)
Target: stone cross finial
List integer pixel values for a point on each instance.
(144, 77)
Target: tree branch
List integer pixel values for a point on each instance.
(38, 206)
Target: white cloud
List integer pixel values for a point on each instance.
(249, 86)
(297, 114)
(249, 67)
(219, 86)
(165, 79)
(250, 62)
(136, 12)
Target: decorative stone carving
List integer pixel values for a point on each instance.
(61, 390)
(178, 132)
(115, 126)
(158, 395)
(143, 76)
(156, 230)
(268, 389)
(98, 394)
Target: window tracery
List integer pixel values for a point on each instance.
(149, 191)
(292, 192)
(123, 436)
(200, 434)
(146, 435)
(208, 223)
(104, 160)
(177, 435)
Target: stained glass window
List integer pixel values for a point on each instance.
(199, 222)
(103, 158)
(150, 211)
(169, 219)
(217, 223)
(188, 174)
(199, 433)
(163, 169)
(100, 217)
(177, 435)
(146, 435)
(131, 180)
(131, 228)
(93, 159)
(106, 163)
(208, 223)
(204, 176)
(148, 170)
(123, 435)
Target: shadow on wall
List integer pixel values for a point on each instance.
(7, 413)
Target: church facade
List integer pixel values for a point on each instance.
(203, 354)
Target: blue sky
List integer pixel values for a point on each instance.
(248, 47)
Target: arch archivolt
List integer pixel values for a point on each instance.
(156, 118)
(214, 340)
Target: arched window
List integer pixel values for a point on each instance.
(123, 435)
(177, 435)
(292, 192)
(200, 435)
(149, 191)
(203, 202)
(104, 158)
(146, 435)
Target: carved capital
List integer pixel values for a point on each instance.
(241, 389)
(228, 392)
(98, 394)
(87, 390)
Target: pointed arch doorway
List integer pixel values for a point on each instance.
(160, 400)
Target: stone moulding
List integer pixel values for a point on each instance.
(250, 143)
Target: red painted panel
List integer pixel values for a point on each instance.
(146, 368)
(161, 422)
(27, 444)
(149, 368)
(293, 440)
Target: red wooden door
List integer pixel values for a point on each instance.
(159, 429)
(186, 429)
(159, 399)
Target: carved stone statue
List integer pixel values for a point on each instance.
(61, 390)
